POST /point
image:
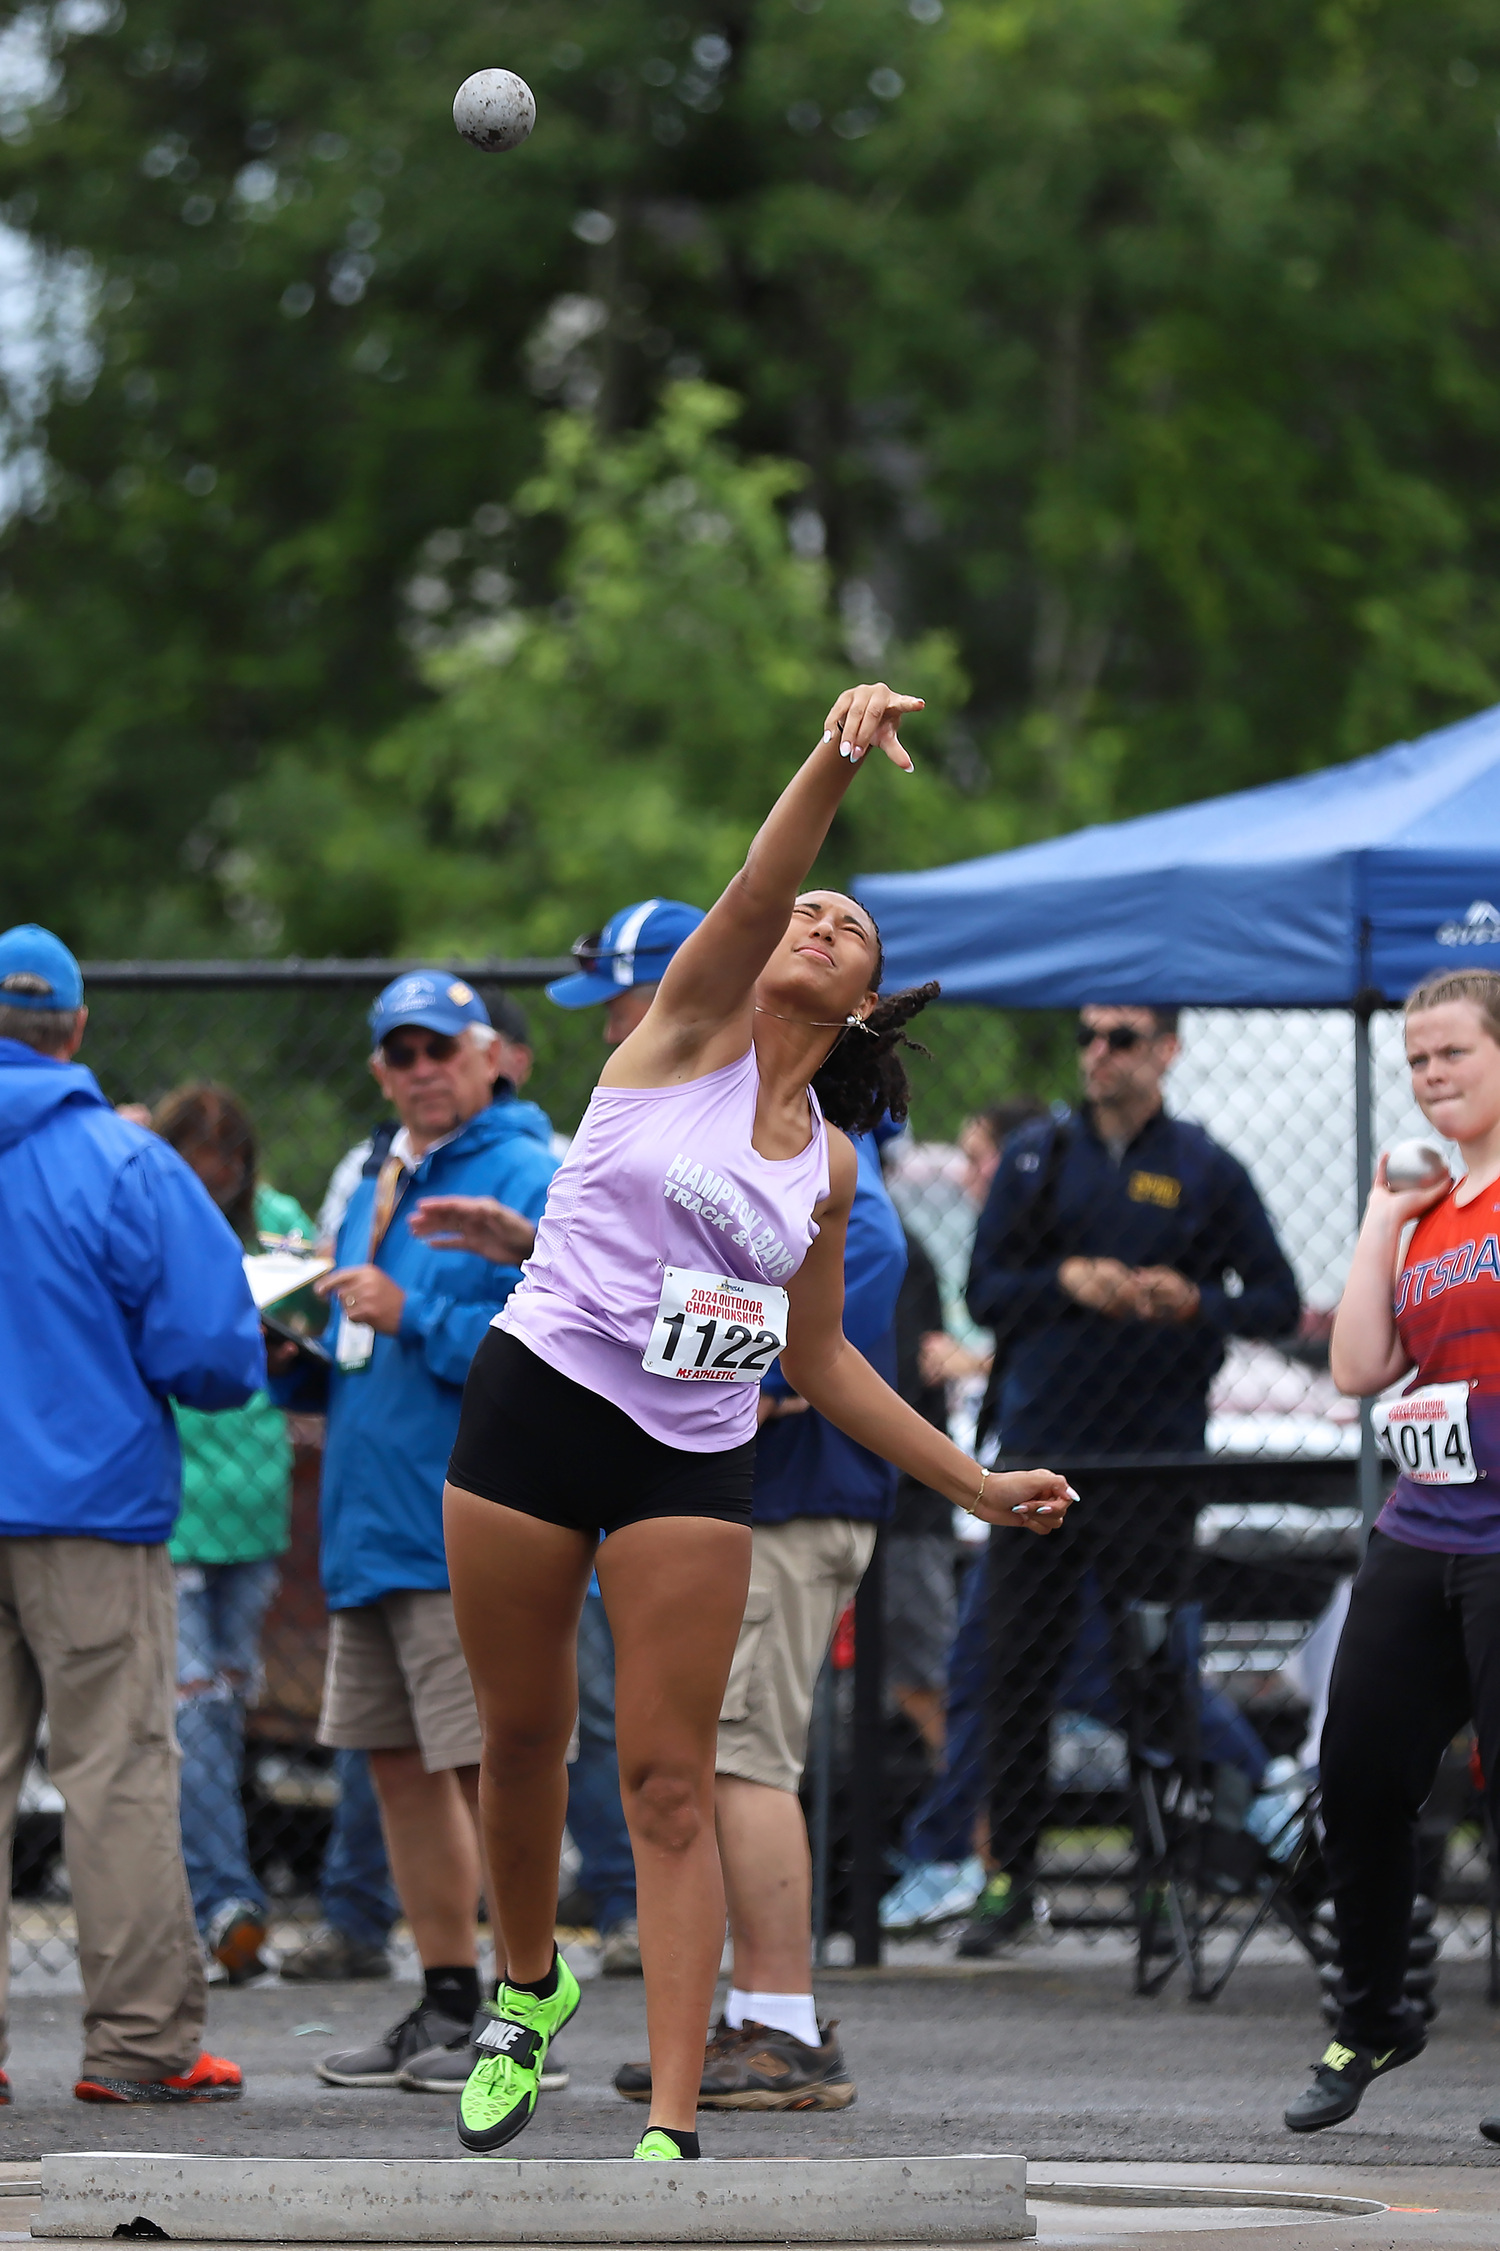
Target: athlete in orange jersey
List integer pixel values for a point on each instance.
(1420, 1651)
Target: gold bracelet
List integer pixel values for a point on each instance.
(972, 1508)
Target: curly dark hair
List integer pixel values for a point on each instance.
(864, 1077)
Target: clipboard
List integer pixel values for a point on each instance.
(281, 1283)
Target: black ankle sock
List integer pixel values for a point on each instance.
(544, 1987)
(455, 1991)
(685, 2144)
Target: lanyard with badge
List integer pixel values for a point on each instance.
(355, 1347)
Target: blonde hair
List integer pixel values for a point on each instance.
(1481, 986)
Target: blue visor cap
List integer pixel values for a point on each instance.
(633, 948)
(433, 998)
(37, 970)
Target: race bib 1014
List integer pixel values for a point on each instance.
(1426, 1434)
(712, 1329)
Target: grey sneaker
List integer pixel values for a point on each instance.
(329, 1957)
(383, 2061)
(445, 2070)
(620, 1952)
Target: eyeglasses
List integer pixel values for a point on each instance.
(401, 1054)
(1119, 1039)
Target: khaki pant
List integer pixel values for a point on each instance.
(802, 1576)
(396, 1681)
(88, 1633)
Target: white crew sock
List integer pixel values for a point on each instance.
(778, 2012)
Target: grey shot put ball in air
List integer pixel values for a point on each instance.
(494, 110)
(1415, 1164)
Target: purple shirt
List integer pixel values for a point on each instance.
(1447, 1309)
(663, 1176)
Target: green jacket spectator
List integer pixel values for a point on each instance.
(237, 1466)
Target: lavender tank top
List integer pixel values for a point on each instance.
(663, 1176)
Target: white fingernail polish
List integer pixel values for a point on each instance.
(827, 734)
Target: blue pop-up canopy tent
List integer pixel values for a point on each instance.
(1340, 888)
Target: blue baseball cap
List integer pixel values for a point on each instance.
(433, 998)
(37, 970)
(633, 948)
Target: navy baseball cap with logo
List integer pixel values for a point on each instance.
(37, 970)
(433, 998)
(633, 948)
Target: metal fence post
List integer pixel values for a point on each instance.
(1371, 1496)
(867, 1790)
(820, 1792)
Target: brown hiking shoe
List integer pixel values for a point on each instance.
(633, 2080)
(767, 2070)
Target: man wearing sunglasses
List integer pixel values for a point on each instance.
(1118, 1251)
(407, 1320)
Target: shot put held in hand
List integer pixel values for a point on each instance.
(1415, 1164)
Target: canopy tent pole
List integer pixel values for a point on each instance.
(1371, 1494)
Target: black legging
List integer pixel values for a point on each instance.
(1419, 1656)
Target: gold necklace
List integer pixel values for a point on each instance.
(819, 1023)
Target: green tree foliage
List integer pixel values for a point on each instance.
(1145, 347)
(624, 738)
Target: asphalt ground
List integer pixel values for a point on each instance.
(1058, 2062)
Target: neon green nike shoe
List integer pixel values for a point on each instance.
(500, 2094)
(657, 2147)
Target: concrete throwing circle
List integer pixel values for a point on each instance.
(1088, 2212)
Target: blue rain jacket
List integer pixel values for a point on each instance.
(391, 1426)
(1079, 1382)
(121, 1288)
(803, 1466)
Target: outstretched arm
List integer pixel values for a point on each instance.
(709, 980)
(824, 1369)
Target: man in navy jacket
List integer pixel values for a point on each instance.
(121, 1289)
(1118, 1251)
(410, 1316)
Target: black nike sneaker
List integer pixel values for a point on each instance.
(1340, 2077)
(1004, 1911)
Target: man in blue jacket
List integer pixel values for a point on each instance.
(121, 1289)
(410, 1317)
(1118, 1251)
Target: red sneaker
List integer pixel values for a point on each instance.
(211, 2079)
(4, 2088)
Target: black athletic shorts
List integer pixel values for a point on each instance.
(534, 1440)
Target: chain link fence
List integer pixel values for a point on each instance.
(1026, 1693)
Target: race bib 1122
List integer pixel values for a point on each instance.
(710, 1328)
